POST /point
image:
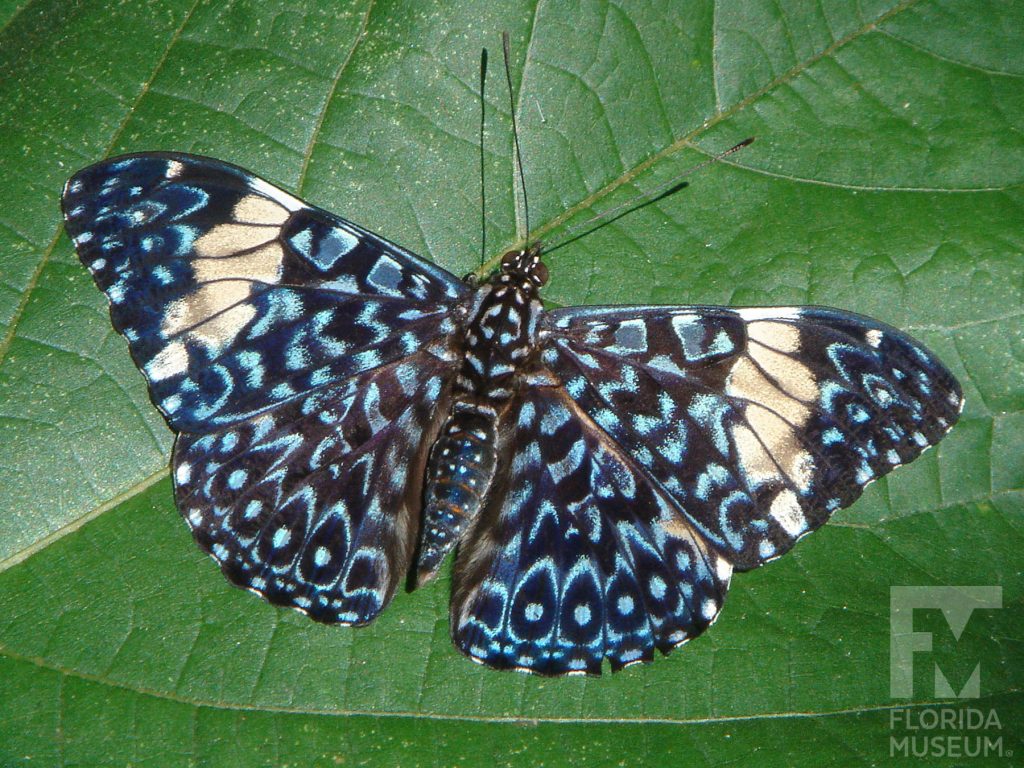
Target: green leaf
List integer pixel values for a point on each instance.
(886, 178)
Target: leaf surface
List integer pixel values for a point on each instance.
(886, 178)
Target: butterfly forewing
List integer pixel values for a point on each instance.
(758, 423)
(235, 295)
(303, 359)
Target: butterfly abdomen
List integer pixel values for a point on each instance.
(462, 465)
(500, 342)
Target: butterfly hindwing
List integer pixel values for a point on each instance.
(758, 423)
(315, 504)
(234, 295)
(580, 558)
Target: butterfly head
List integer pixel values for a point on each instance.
(524, 264)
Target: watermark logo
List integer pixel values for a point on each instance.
(939, 731)
(957, 604)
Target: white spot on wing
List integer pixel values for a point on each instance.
(793, 377)
(253, 209)
(214, 313)
(785, 509)
(169, 361)
(782, 336)
(709, 609)
(774, 412)
(229, 239)
(723, 569)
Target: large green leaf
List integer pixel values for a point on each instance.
(886, 178)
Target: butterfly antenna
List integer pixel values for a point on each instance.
(524, 236)
(483, 187)
(660, 192)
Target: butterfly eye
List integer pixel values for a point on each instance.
(540, 274)
(510, 259)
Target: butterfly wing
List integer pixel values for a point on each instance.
(758, 423)
(301, 358)
(314, 503)
(580, 557)
(234, 295)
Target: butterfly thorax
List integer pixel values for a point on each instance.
(501, 334)
(499, 349)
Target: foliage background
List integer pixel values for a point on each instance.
(886, 178)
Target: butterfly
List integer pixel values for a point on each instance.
(347, 412)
